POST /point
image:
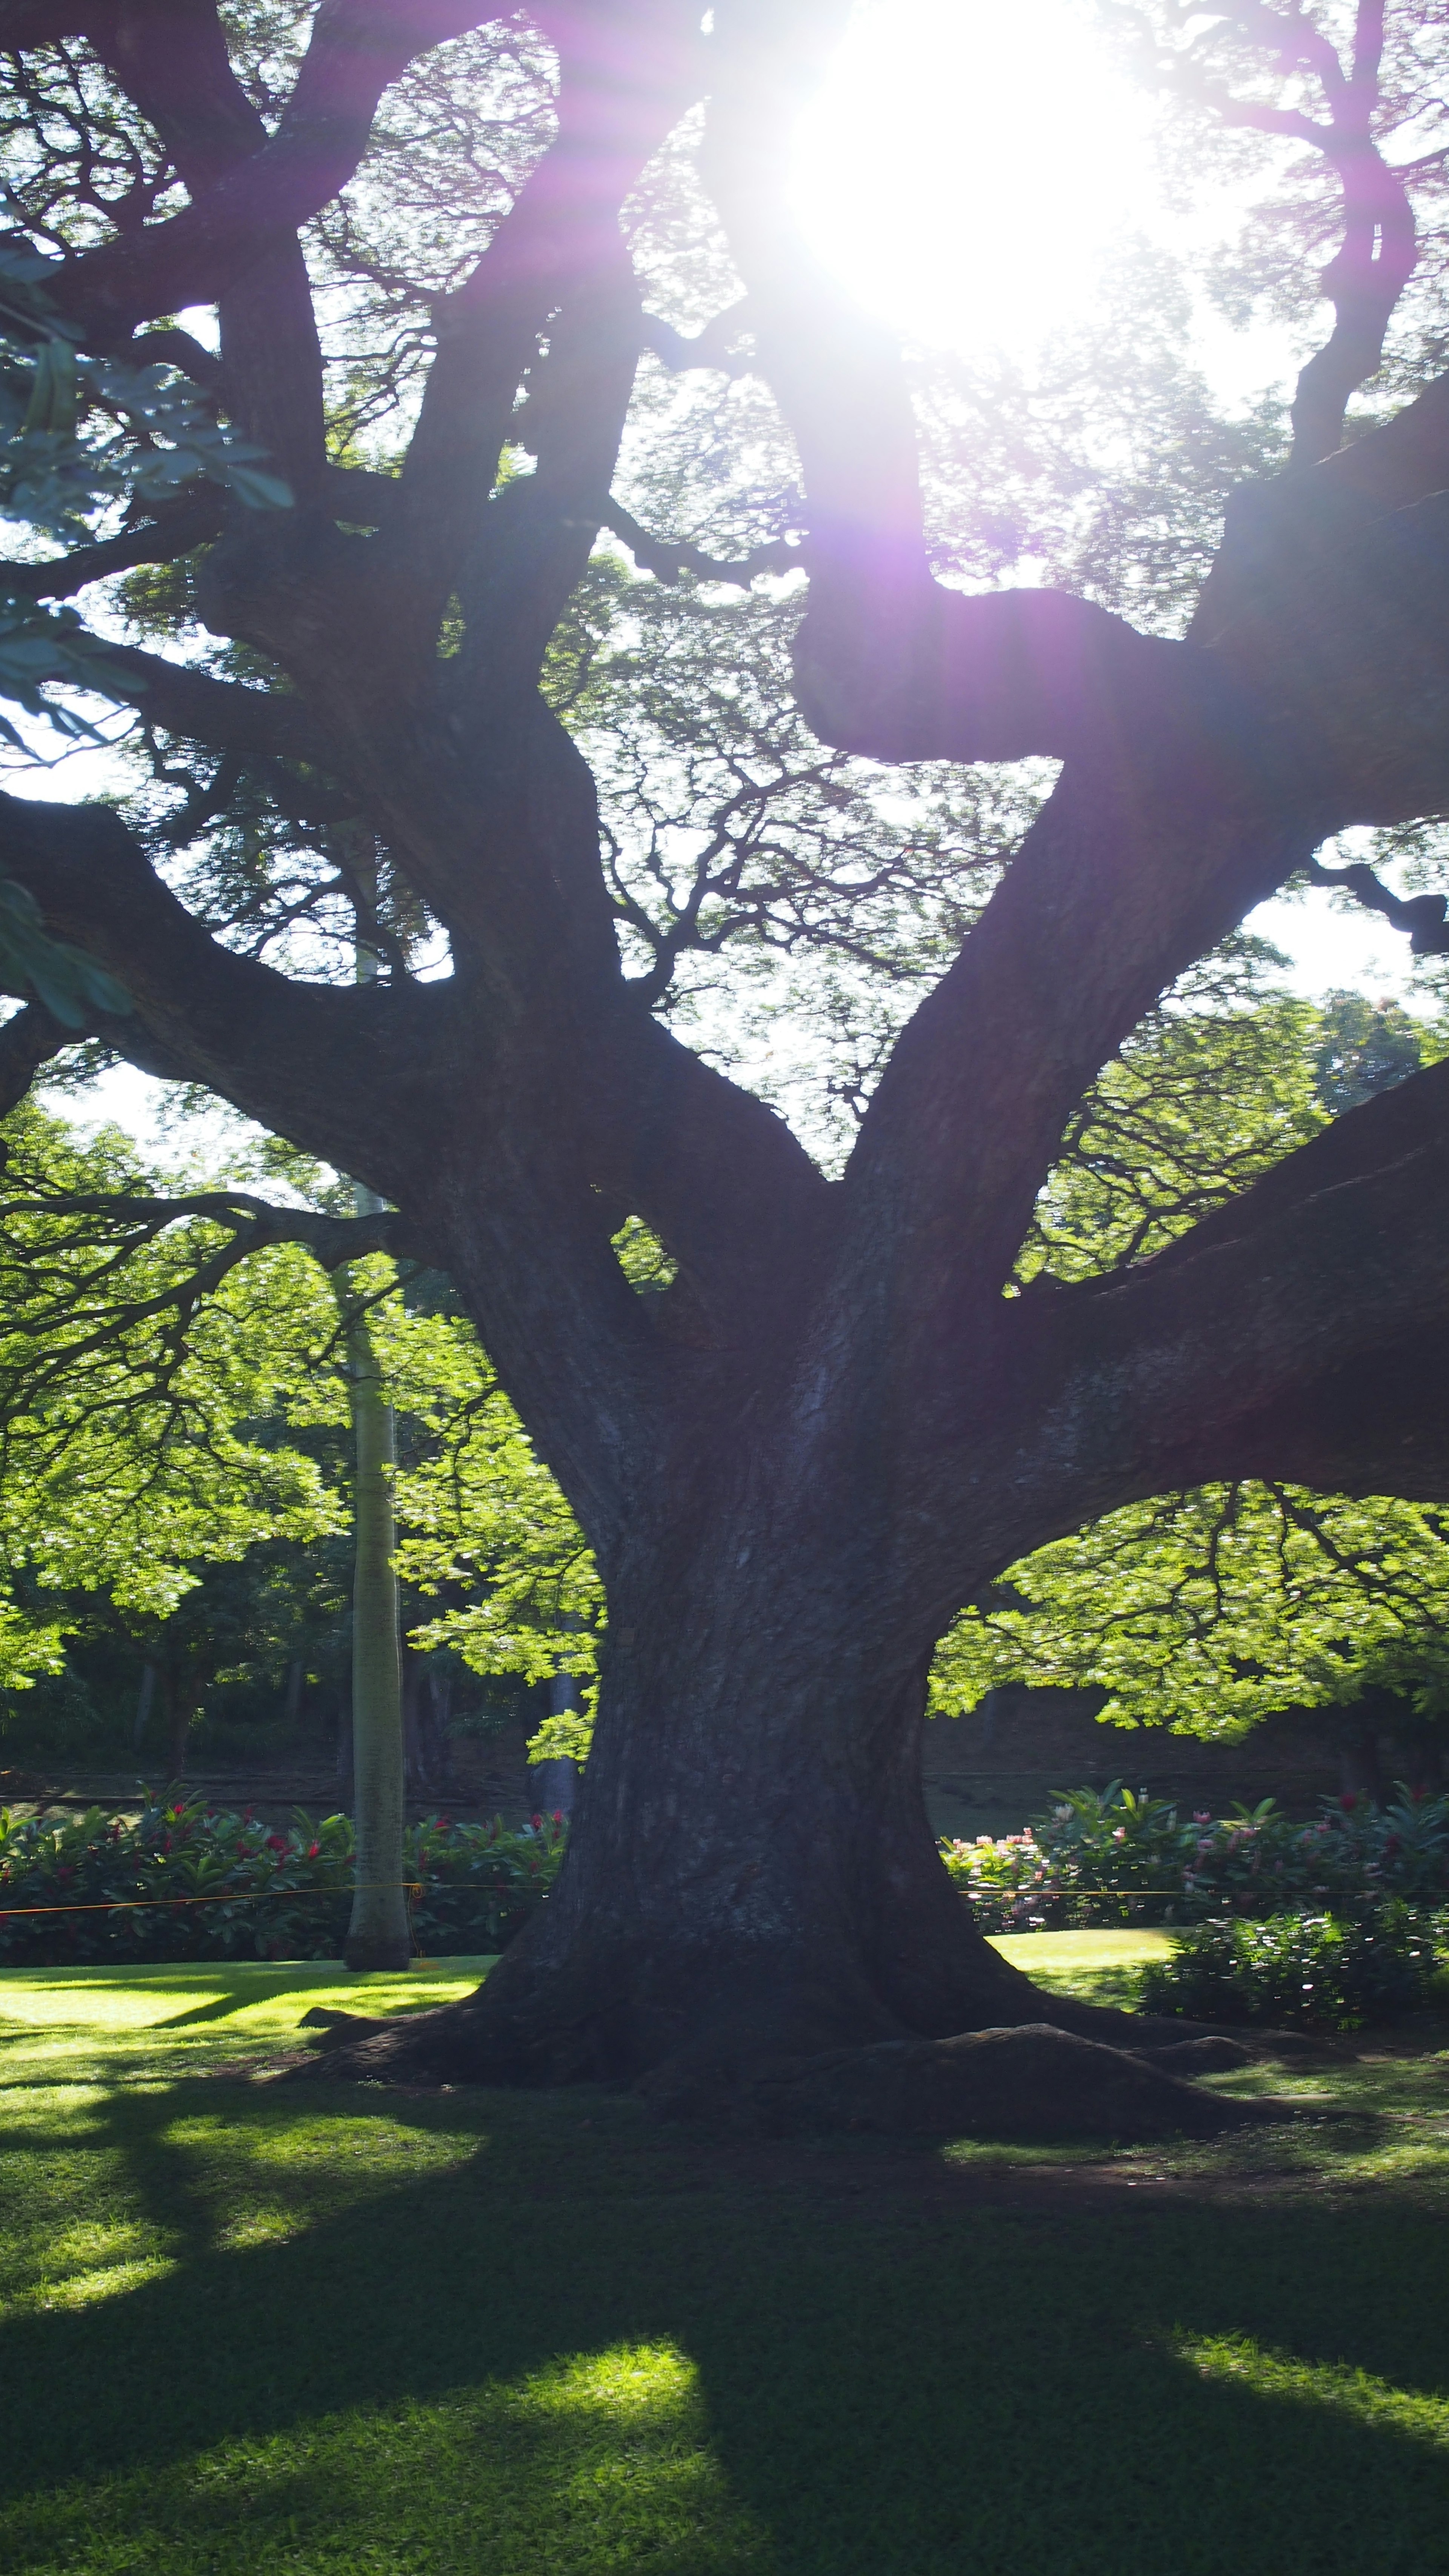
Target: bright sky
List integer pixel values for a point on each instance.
(966, 223)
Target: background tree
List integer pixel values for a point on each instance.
(832, 1427)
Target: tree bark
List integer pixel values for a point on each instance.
(753, 1887)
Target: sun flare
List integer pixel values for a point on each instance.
(967, 169)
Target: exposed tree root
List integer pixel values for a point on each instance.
(1031, 2081)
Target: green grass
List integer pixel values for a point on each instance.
(250, 2327)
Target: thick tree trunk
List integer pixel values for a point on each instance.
(753, 1918)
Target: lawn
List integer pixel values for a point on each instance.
(257, 2327)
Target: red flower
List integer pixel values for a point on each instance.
(312, 1850)
(535, 1821)
(558, 1815)
(1349, 1803)
(276, 1843)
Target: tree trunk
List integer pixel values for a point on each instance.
(178, 1706)
(144, 1697)
(753, 1912)
(426, 1761)
(378, 1934)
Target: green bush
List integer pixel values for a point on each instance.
(1313, 1971)
(183, 1881)
(1119, 1856)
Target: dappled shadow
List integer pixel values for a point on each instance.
(873, 2383)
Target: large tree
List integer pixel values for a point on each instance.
(835, 1424)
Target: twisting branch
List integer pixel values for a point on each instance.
(1379, 250)
(1424, 916)
(193, 522)
(667, 557)
(28, 1039)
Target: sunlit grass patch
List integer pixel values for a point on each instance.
(1095, 1967)
(1345, 2390)
(598, 2461)
(68, 2024)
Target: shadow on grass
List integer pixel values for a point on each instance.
(582, 2343)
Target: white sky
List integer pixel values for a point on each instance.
(967, 225)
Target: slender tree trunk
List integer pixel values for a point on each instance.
(178, 1697)
(378, 1935)
(558, 1781)
(144, 1697)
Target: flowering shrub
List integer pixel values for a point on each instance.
(248, 1892)
(1117, 1856)
(1315, 1970)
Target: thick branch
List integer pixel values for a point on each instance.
(27, 1041)
(219, 712)
(254, 1222)
(356, 50)
(174, 64)
(311, 1061)
(161, 540)
(624, 79)
(1213, 1360)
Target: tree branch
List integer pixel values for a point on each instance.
(357, 48)
(175, 66)
(1210, 1361)
(219, 712)
(338, 1060)
(193, 522)
(28, 1039)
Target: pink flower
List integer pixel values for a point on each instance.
(1201, 1816)
(1349, 1803)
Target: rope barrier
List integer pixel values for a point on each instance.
(236, 1896)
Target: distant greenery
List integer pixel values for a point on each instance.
(184, 1881)
(1119, 1856)
(1314, 1971)
(175, 1463)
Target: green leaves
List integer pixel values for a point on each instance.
(70, 985)
(1208, 1610)
(78, 431)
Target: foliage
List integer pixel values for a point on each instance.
(185, 1881)
(1211, 1609)
(1119, 1856)
(136, 1440)
(1208, 1610)
(1317, 1971)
